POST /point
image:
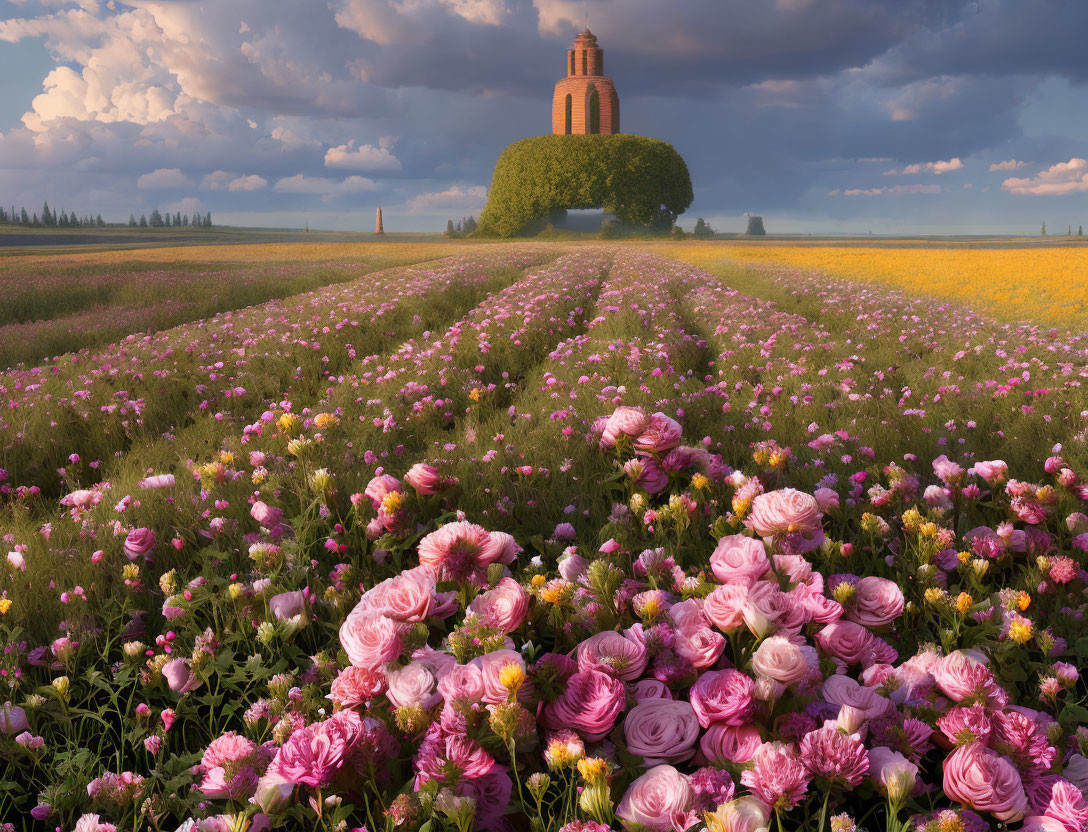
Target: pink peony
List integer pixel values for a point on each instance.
(287, 605)
(778, 777)
(370, 639)
(698, 645)
(463, 684)
(139, 543)
(660, 436)
(456, 550)
(842, 690)
(738, 559)
(877, 602)
(835, 757)
(590, 704)
(268, 516)
(356, 686)
(785, 511)
(722, 696)
(413, 684)
(424, 478)
(982, 779)
(780, 659)
(379, 487)
(848, 641)
(651, 801)
(624, 421)
(661, 731)
(960, 677)
(723, 744)
(157, 481)
(490, 666)
(503, 607)
(724, 607)
(407, 597)
(614, 654)
(313, 755)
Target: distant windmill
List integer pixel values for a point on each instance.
(755, 226)
(378, 228)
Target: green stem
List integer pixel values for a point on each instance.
(823, 811)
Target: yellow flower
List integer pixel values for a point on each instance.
(325, 420)
(699, 482)
(392, 502)
(130, 572)
(287, 422)
(929, 529)
(935, 595)
(226, 457)
(320, 480)
(512, 676)
(1020, 630)
(593, 768)
(964, 603)
(963, 557)
(474, 394)
(5, 605)
(538, 581)
(61, 685)
(235, 591)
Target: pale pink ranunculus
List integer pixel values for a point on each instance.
(739, 559)
(724, 607)
(179, 676)
(139, 543)
(369, 638)
(589, 704)
(661, 731)
(424, 478)
(407, 597)
(456, 549)
(157, 481)
(490, 666)
(985, 781)
(84, 498)
(12, 719)
(17, 561)
(722, 696)
(287, 605)
(624, 421)
(877, 602)
(780, 659)
(651, 801)
(413, 684)
(661, 435)
(572, 566)
(379, 487)
(847, 641)
(960, 676)
(994, 471)
(504, 607)
(722, 744)
(699, 645)
(462, 684)
(354, 686)
(612, 653)
(785, 511)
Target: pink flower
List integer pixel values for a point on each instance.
(157, 481)
(424, 478)
(660, 436)
(456, 550)
(834, 756)
(983, 780)
(503, 607)
(12, 719)
(842, 690)
(722, 696)
(491, 792)
(287, 605)
(1067, 805)
(355, 686)
(370, 639)
(442, 753)
(647, 474)
(994, 472)
(651, 801)
(895, 774)
(490, 666)
(589, 704)
(847, 641)
(723, 743)
(229, 767)
(379, 487)
(139, 543)
(661, 731)
(698, 645)
(413, 684)
(738, 559)
(724, 607)
(780, 659)
(407, 597)
(785, 511)
(624, 421)
(462, 684)
(268, 516)
(313, 755)
(778, 777)
(961, 677)
(179, 676)
(964, 726)
(612, 653)
(877, 602)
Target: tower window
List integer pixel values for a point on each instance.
(569, 108)
(571, 62)
(594, 110)
(585, 61)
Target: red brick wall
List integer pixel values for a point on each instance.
(578, 88)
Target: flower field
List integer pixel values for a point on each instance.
(551, 538)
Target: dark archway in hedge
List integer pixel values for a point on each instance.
(642, 181)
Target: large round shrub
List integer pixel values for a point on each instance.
(629, 176)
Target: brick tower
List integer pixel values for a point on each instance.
(585, 101)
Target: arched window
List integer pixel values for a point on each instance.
(615, 112)
(571, 62)
(594, 111)
(569, 108)
(585, 62)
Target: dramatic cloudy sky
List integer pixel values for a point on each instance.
(824, 115)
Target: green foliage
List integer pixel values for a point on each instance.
(641, 181)
(702, 230)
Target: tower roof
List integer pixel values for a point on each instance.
(587, 38)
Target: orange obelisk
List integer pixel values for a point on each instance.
(378, 228)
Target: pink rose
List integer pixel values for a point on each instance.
(490, 666)
(661, 731)
(723, 744)
(722, 696)
(589, 705)
(179, 676)
(407, 597)
(501, 548)
(982, 779)
(379, 486)
(503, 607)
(994, 472)
(699, 645)
(369, 638)
(785, 511)
(651, 801)
(877, 602)
(612, 653)
(287, 605)
(724, 607)
(268, 516)
(842, 690)
(462, 684)
(157, 481)
(139, 543)
(424, 478)
(780, 659)
(661, 435)
(959, 676)
(313, 755)
(738, 559)
(847, 641)
(624, 421)
(649, 689)
(354, 686)
(413, 684)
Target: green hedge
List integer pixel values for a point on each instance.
(629, 176)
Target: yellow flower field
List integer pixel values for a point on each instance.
(1046, 284)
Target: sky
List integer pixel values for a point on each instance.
(824, 116)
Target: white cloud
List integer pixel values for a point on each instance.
(323, 186)
(252, 182)
(218, 180)
(472, 197)
(1062, 178)
(955, 163)
(365, 157)
(895, 189)
(190, 205)
(163, 178)
(1011, 164)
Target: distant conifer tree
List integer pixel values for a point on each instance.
(1044, 228)
(143, 221)
(450, 230)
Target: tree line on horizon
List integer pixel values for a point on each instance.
(51, 218)
(464, 227)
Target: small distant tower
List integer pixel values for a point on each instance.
(378, 228)
(585, 101)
